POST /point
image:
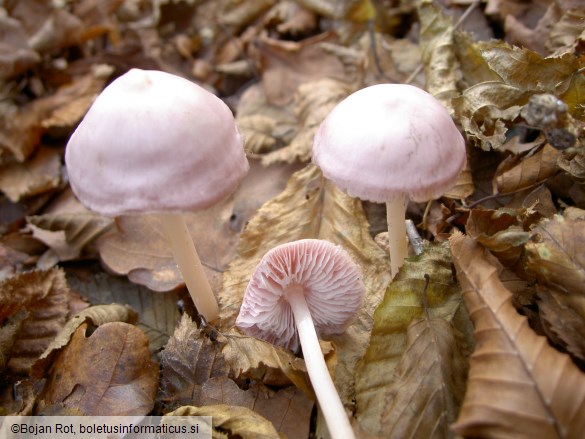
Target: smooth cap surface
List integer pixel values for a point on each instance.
(155, 142)
(389, 139)
(331, 281)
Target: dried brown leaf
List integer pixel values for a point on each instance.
(158, 313)
(236, 421)
(96, 315)
(442, 70)
(42, 173)
(109, 372)
(259, 360)
(555, 257)
(288, 409)
(379, 395)
(16, 55)
(44, 296)
(518, 385)
(314, 100)
(504, 231)
(288, 64)
(80, 230)
(525, 173)
(188, 361)
(430, 381)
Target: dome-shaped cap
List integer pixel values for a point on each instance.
(155, 142)
(331, 281)
(389, 139)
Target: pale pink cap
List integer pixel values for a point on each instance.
(332, 283)
(155, 142)
(389, 139)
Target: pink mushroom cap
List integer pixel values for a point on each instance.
(155, 142)
(331, 281)
(390, 139)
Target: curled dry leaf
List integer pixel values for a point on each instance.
(430, 380)
(40, 174)
(259, 360)
(513, 175)
(442, 70)
(96, 315)
(517, 381)
(503, 231)
(158, 313)
(80, 230)
(555, 256)
(235, 420)
(43, 296)
(17, 55)
(188, 361)
(311, 207)
(288, 64)
(288, 409)
(380, 391)
(109, 372)
(314, 100)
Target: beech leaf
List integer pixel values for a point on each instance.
(235, 420)
(555, 257)
(527, 172)
(96, 315)
(378, 376)
(107, 373)
(429, 382)
(44, 298)
(518, 385)
(188, 361)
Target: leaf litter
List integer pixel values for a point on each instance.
(503, 263)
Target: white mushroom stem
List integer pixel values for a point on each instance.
(327, 396)
(186, 257)
(395, 213)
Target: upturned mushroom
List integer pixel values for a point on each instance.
(298, 291)
(387, 142)
(153, 142)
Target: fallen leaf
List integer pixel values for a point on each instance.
(288, 409)
(44, 296)
(158, 313)
(188, 361)
(517, 174)
(288, 64)
(518, 385)
(503, 231)
(96, 315)
(259, 360)
(429, 382)
(42, 173)
(314, 100)
(108, 372)
(79, 231)
(16, 55)
(442, 70)
(555, 257)
(377, 377)
(236, 421)
(555, 254)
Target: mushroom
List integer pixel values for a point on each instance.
(153, 142)
(388, 141)
(298, 290)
